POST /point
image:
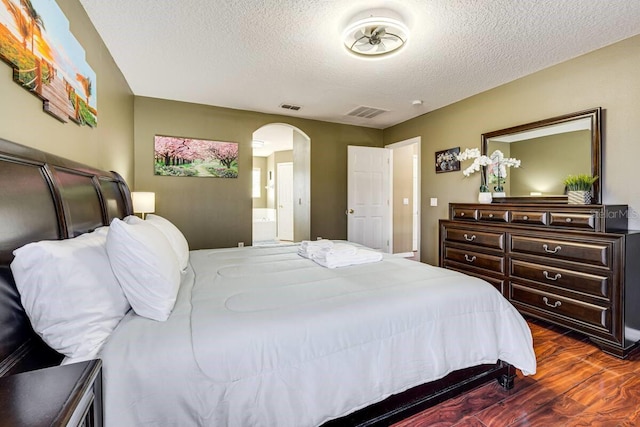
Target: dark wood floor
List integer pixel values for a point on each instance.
(576, 385)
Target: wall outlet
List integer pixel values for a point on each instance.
(434, 201)
(318, 238)
(241, 244)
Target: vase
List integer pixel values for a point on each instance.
(484, 197)
(575, 197)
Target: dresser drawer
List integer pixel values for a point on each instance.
(493, 215)
(592, 284)
(591, 314)
(573, 220)
(479, 238)
(597, 254)
(475, 259)
(468, 214)
(532, 218)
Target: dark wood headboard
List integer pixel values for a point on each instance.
(45, 197)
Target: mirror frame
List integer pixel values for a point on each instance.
(595, 116)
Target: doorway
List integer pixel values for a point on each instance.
(383, 197)
(281, 185)
(405, 190)
(284, 212)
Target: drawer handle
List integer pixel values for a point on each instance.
(526, 217)
(469, 259)
(546, 275)
(568, 220)
(461, 213)
(469, 239)
(554, 305)
(490, 215)
(547, 250)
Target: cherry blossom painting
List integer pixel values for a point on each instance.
(47, 59)
(195, 157)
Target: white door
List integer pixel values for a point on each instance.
(285, 201)
(368, 194)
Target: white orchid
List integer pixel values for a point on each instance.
(496, 165)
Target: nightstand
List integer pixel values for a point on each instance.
(66, 395)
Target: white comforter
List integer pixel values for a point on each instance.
(264, 337)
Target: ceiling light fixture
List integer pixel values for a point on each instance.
(256, 143)
(375, 36)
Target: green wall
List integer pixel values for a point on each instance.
(214, 212)
(546, 162)
(110, 145)
(606, 78)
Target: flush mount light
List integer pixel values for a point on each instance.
(256, 143)
(375, 36)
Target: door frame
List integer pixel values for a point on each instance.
(278, 205)
(418, 141)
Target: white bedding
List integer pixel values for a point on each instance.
(264, 337)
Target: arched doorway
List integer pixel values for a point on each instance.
(281, 184)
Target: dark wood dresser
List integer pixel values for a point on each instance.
(573, 265)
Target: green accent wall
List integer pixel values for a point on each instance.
(215, 212)
(110, 145)
(548, 160)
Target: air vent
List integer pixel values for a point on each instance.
(290, 107)
(366, 112)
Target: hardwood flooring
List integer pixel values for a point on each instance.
(576, 384)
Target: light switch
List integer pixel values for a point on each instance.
(434, 201)
(405, 201)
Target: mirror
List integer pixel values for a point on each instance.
(549, 151)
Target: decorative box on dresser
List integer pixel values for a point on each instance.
(573, 265)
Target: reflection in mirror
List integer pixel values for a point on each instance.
(549, 151)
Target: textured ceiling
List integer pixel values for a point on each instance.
(257, 54)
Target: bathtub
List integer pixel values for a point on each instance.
(264, 225)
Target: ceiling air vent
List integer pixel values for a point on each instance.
(290, 107)
(366, 112)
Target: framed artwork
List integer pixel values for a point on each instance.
(446, 160)
(47, 59)
(174, 156)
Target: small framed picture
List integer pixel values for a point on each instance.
(446, 160)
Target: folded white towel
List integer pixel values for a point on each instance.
(308, 248)
(322, 243)
(337, 250)
(362, 256)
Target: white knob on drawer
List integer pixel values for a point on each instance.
(461, 213)
(526, 218)
(490, 215)
(568, 220)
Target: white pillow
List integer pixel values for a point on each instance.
(174, 235)
(146, 267)
(69, 292)
(132, 219)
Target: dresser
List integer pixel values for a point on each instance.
(573, 265)
(67, 395)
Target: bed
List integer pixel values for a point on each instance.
(250, 343)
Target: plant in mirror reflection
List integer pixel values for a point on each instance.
(495, 163)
